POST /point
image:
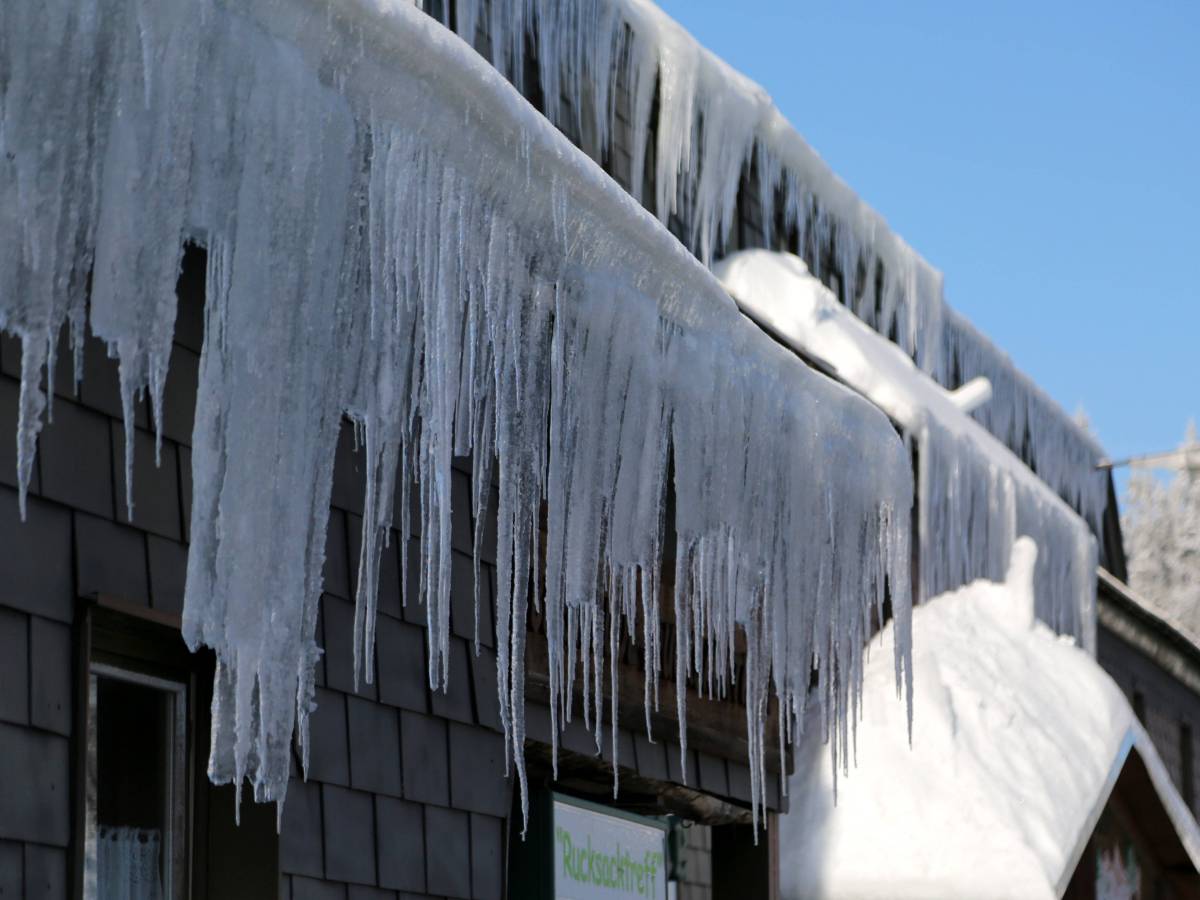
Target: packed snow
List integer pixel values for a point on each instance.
(713, 126)
(1019, 741)
(974, 497)
(395, 235)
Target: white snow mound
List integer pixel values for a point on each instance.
(1019, 737)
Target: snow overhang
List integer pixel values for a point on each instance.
(974, 495)
(777, 291)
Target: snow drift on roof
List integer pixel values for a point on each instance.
(974, 496)
(713, 125)
(394, 234)
(1020, 738)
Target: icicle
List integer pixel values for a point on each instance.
(147, 161)
(55, 100)
(1024, 418)
(985, 507)
(483, 291)
(976, 497)
(712, 123)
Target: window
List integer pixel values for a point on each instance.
(151, 825)
(147, 822)
(136, 793)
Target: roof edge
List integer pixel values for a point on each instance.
(1131, 619)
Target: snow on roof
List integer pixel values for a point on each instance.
(1018, 739)
(778, 291)
(974, 495)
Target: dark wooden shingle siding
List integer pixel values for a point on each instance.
(420, 772)
(404, 796)
(357, 828)
(1166, 704)
(74, 544)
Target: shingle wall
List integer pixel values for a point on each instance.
(406, 793)
(1165, 704)
(695, 882)
(76, 543)
(406, 787)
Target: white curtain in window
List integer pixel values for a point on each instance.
(128, 864)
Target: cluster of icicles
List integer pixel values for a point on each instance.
(975, 498)
(1020, 414)
(713, 126)
(393, 234)
(974, 507)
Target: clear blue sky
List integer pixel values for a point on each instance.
(1043, 155)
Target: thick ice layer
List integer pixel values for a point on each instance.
(1027, 421)
(1019, 741)
(393, 234)
(974, 501)
(974, 496)
(714, 124)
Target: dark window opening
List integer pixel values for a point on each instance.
(741, 866)
(146, 817)
(152, 825)
(136, 785)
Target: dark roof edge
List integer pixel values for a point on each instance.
(1127, 616)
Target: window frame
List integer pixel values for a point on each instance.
(142, 646)
(178, 805)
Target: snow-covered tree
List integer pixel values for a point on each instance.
(1161, 524)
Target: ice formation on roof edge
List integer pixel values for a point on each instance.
(471, 285)
(973, 509)
(713, 122)
(975, 498)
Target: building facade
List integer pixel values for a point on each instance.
(406, 794)
(1158, 668)
(104, 716)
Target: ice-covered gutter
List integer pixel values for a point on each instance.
(393, 233)
(975, 498)
(1019, 741)
(712, 122)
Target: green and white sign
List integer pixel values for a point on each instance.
(602, 854)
